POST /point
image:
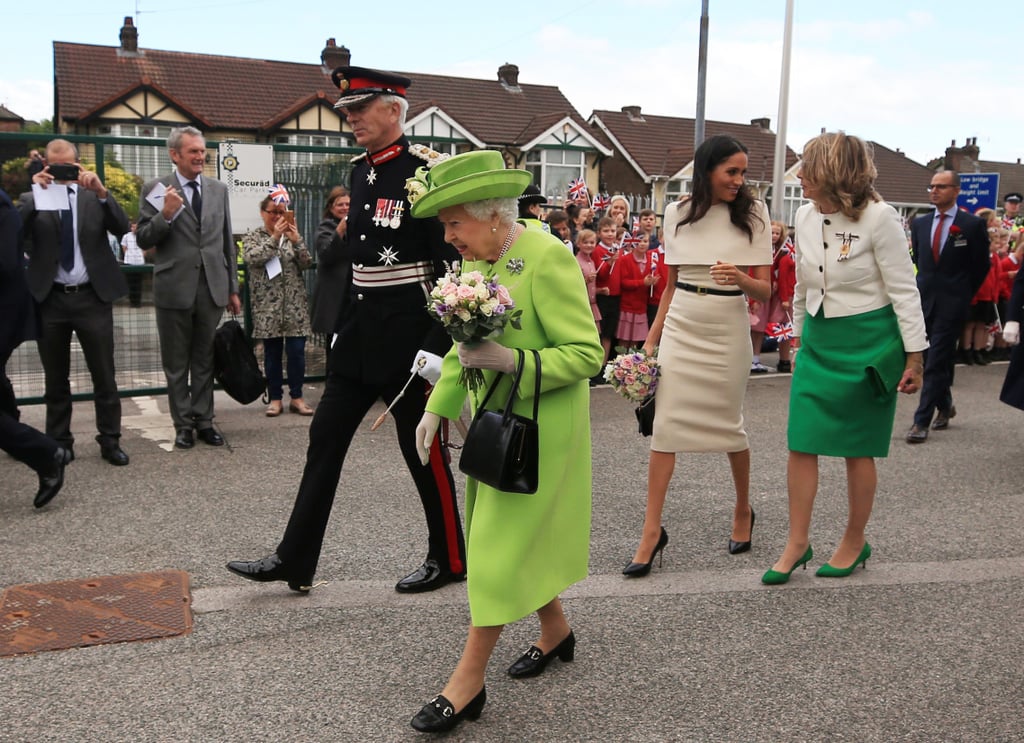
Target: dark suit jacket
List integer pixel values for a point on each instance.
(18, 316)
(95, 220)
(183, 246)
(333, 274)
(948, 288)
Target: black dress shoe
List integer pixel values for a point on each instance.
(269, 568)
(52, 479)
(439, 716)
(114, 454)
(209, 436)
(942, 417)
(534, 661)
(184, 439)
(735, 547)
(917, 434)
(428, 577)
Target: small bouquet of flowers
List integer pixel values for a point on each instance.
(633, 374)
(472, 307)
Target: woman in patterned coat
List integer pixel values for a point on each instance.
(276, 256)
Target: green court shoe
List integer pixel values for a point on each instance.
(774, 577)
(827, 571)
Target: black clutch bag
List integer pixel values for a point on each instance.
(645, 415)
(501, 448)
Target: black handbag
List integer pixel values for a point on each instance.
(645, 415)
(501, 448)
(234, 364)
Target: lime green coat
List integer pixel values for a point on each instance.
(524, 550)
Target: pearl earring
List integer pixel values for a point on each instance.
(494, 229)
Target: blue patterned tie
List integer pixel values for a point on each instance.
(67, 234)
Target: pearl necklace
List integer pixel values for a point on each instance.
(508, 242)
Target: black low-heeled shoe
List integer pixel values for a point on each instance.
(640, 569)
(735, 547)
(439, 716)
(534, 661)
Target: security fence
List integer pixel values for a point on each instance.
(125, 164)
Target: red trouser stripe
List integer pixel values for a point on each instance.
(447, 506)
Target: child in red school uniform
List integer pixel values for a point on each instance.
(636, 278)
(982, 313)
(660, 268)
(606, 254)
(779, 307)
(586, 243)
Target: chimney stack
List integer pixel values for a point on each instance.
(633, 113)
(763, 123)
(334, 56)
(129, 37)
(508, 76)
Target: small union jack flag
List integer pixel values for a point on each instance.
(578, 189)
(782, 331)
(602, 201)
(635, 226)
(629, 241)
(279, 194)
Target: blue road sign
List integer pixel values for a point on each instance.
(978, 191)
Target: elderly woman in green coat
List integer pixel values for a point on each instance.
(522, 550)
(276, 255)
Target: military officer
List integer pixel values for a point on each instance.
(384, 334)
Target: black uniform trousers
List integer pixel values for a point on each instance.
(21, 441)
(342, 408)
(92, 320)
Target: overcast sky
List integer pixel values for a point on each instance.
(909, 75)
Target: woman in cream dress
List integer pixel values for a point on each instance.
(704, 333)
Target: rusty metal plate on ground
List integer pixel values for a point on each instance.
(94, 611)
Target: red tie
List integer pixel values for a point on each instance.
(936, 238)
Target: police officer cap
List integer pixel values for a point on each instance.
(359, 84)
(532, 195)
(1014, 197)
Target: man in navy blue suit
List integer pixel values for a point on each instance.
(950, 248)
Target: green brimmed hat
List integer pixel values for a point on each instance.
(472, 176)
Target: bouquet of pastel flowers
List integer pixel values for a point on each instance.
(472, 307)
(633, 374)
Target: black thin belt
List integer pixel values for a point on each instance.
(705, 290)
(71, 288)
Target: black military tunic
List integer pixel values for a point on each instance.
(395, 261)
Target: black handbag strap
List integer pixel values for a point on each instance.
(516, 379)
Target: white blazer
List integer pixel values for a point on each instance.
(847, 268)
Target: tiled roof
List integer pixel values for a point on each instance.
(900, 179)
(257, 94)
(7, 114)
(1011, 176)
(663, 145)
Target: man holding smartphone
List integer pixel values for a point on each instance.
(75, 278)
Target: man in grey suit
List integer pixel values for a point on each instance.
(74, 277)
(185, 217)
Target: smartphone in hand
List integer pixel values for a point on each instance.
(64, 172)
(289, 217)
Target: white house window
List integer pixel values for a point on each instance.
(677, 189)
(146, 161)
(553, 169)
(306, 140)
(792, 200)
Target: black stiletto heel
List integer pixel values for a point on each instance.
(735, 547)
(640, 569)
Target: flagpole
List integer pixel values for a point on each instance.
(778, 187)
(702, 76)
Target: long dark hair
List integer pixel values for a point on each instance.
(712, 153)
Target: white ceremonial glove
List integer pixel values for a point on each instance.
(427, 365)
(1011, 333)
(487, 355)
(334, 339)
(426, 429)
